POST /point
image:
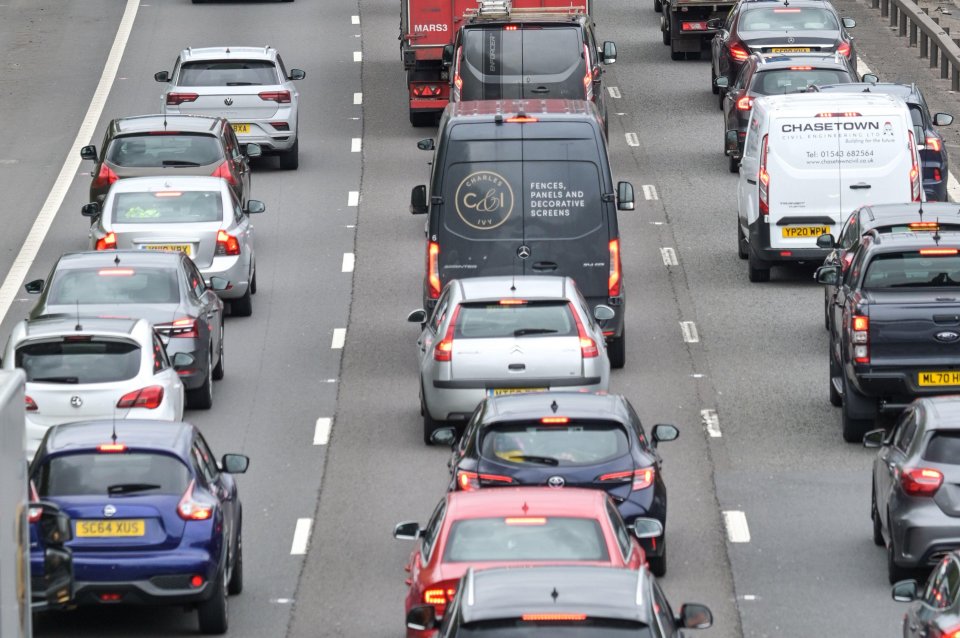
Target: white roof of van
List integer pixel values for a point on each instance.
(802, 104)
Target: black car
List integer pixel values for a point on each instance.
(933, 150)
(936, 608)
(772, 75)
(164, 288)
(765, 26)
(577, 601)
(567, 439)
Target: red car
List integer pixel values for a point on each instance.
(513, 527)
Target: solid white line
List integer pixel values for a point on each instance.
(44, 220)
(689, 330)
(650, 192)
(614, 92)
(301, 537)
(737, 529)
(349, 261)
(711, 422)
(339, 338)
(358, 98)
(357, 56)
(353, 198)
(632, 139)
(355, 145)
(354, 19)
(321, 434)
(669, 256)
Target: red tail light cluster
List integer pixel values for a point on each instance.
(613, 279)
(921, 481)
(105, 177)
(860, 336)
(433, 270)
(443, 351)
(641, 479)
(149, 397)
(224, 171)
(175, 99)
(844, 49)
(31, 405)
(186, 327)
(227, 244)
(588, 347)
(745, 103)
(107, 242)
(915, 190)
(190, 509)
(280, 97)
(933, 144)
(764, 177)
(588, 75)
(427, 90)
(469, 481)
(739, 52)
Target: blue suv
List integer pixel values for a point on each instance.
(156, 519)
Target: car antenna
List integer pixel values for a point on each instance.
(113, 433)
(920, 210)
(116, 261)
(78, 327)
(936, 233)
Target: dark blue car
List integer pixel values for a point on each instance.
(156, 519)
(567, 439)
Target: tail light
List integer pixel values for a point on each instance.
(613, 279)
(915, 190)
(433, 270)
(187, 328)
(439, 595)
(31, 405)
(860, 336)
(924, 225)
(553, 617)
(937, 175)
(844, 49)
(938, 252)
(469, 481)
(280, 126)
(933, 144)
(189, 509)
(745, 103)
(457, 80)
(149, 397)
(764, 181)
(588, 75)
(952, 632)
(443, 351)
(427, 90)
(105, 177)
(739, 52)
(227, 244)
(588, 347)
(111, 448)
(555, 420)
(224, 171)
(175, 99)
(921, 481)
(280, 97)
(641, 479)
(107, 242)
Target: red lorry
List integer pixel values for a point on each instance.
(426, 27)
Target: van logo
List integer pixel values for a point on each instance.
(947, 336)
(523, 252)
(76, 401)
(484, 200)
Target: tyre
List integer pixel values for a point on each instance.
(430, 425)
(677, 55)
(235, 586)
(212, 613)
(742, 248)
(617, 350)
(713, 80)
(826, 312)
(758, 271)
(658, 564)
(854, 427)
(720, 96)
(419, 118)
(253, 282)
(836, 399)
(734, 165)
(242, 307)
(658, 6)
(290, 160)
(218, 369)
(202, 397)
(875, 517)
(895, 573)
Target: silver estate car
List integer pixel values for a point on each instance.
(250, 86)
(491, 336)
(198, 216)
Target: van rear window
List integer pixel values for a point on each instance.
(912, 270)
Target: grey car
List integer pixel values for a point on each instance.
(493, 336)
(164, 288)
(915, 504)
(936, 609)
(198, 216)
(250, 86)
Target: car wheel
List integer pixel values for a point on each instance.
(202, 397)
(895, 573)
(758, 271)
(617, 350)
(253, 282)
(212, 613)
(665, 33)
(242, 307)
(713, 81)
(741, 243)
(875, 516)
(235, 586)
(826, 312)
(658, 564)
(290, 160)
(218, 369)
(720, 96)
(853, 427)
(658, 6)
(430, 425)
(734, 165)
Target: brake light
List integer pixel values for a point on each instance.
(191, 510)
(168, 194)
(924, 225)
(469, 481)
(513, 302)
(510, 27)
(149, 397)
(521, 119)
(801, 68)
(224, 171)
(433, 270)
(525, 520)
(921, 481)
(227, 244)
(933, 144)
(443, 351)
(914, 171)
(174, 99)
(937, 252)
(745, 103)
(613, 279)
(738, 52)
(426, 90)
(186, 327)
(439, 596)
(953, 632)
(457, 80)
(588, 75)
(936, 175)
(196, 581)
(860, 336)
(30, 404)
(839, 114)
(844, 49)
(105, 177)
(552, 617)
(280, 97)
(641, 479)
(764, 189)
(555, 420)
(111, 448)
(115, 272)
(588, 347)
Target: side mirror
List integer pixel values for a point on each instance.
(828, 275)
(426, 144)
(297, 74)
(90, 210)
(869, 77)
(55, 530)
(625, 196)
(826, 241)
(219, 283)
(234, 463)
(162, 76)
(905, 591)
(942, 119)
(418, 200)
(647, 528)
(34, 287)
(422, 618)
(715, 23)
(255, 206)
(183, 361)
(722, 82)
(444, 436)
(663, 432)
(447, 56)
(695, 616)
(253, 150)
(417, 316)
(88, 152)
(603, 313)
(875, 438)
(407, 531)
(54, 526)
(609, 52)
(848, 23)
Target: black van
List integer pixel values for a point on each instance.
(539, 55)
(523, 187)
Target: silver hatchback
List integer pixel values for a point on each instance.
(198, 216)
(491, 336)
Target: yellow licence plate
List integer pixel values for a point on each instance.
(496, 392)
(805, 231)
(107, 528)
(939, 378)
(171, 248)
(790, 50)
(241, 128)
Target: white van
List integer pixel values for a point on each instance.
(809, 160)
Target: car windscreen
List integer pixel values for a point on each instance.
(95, 473)
(79, 359)
(913, 270)
(525, 538)
(572, 628)
(114, 286)
(795, 79)
(788, 19)
(943, 447)
(515, 318)
(564, 444)
(164, 149)
(228, 73)
(167, 207)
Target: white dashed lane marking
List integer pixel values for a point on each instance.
(711, 423)
(357, 56)
(737, 529)
(339, 338)
(669, 257)
(650, 192)
(353, 198)
(321, 433)
(632, 139)
(354, 19)
(349, 261)
(689, 330)
(356, 144)
(358, 98)
(614, 92)
(301, 537)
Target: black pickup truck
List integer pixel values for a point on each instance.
(895, 329)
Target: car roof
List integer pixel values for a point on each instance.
(169, 436)
(545, 18)
(772, 4)
(535, 405)
(181, 182)
(108, 259)
(599, 592)
(191, 54)
(499, 110)
(944, 410)
(883, 214)
(819, 60)
(907, 241)
(807, 104)
(526, 501)
(70, 324)
(160, 122)
(906, 92)
(523, 287)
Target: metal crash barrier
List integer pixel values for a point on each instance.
(934, 40)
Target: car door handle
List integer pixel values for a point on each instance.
(859, 187)
(544, 266)
(540, 89)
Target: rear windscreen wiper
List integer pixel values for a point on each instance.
(126, 488)
(533, 331)
(244, 84)
(55, 380)
(179, 163)
(543, 460)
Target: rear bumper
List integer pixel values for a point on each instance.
(456, 400)
(759, 240)
(236, 270)
(428, 105)
(923, 533)
(898, 387)
(193, 377)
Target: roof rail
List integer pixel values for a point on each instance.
(499, 9)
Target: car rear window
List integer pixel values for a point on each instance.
(528, 319)
(114, 286)
(574, 443)
(913, 227)
(228, 73)
(79, 359)
(525, 538)
(912, 270)
(89, 474)
(780, 81)
(586, 628)
(164, 149)
(789, 18)
(944, 447)
(167, 207)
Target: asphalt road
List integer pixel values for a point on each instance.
(809, 567)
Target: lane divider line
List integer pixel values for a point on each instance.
(44, 220)
(339, 338)
(650, 192)
(711, 423)
(358, 56)
(358, 98)
(356, 144)
(349, 261)
(321, 433)
(301, 537)
(669, 256)
(632, 139)
(353, 198)
(689, 330)
(614, 92)
(354, 19)
(737, 529)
